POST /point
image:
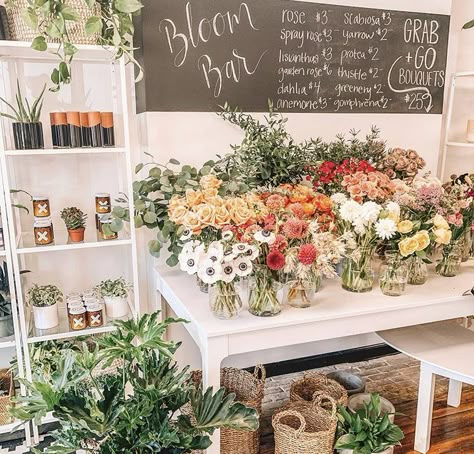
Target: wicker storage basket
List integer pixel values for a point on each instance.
(20, 31)
(7, 385)
(306, 427)
(304, 389)
(249, 390)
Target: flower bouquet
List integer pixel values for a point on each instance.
(402, 164)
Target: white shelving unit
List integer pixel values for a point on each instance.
(448, 143)
(62, 166)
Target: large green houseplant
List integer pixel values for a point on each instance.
(136, 409)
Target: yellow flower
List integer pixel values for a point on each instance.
(209, 193)
(423, 238)
(210, 182)
(206, 214)
(393, 216)
(408, 246)
(440, 223)
(443, 236)
(194, 197)
(405, 226)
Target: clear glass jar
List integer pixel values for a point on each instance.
(203, 287)
(393, 274)
(467, 246)
(265, 296)
(43, 231)
(450, 263)
(417, 271)
(224, 300)
(301, 293)
(357, 272)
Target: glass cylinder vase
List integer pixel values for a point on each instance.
(264, 289)
(450, 263)
(357, 272)
(417, 271)
(393, 274)
(301, 293)
(224, 300)
(467, 246)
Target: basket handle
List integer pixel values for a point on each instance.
(319, 397)
(283, 414)
(260, 372)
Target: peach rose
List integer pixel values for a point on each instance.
(408, 246)
(192, 223)
(210, 182)
(194, 197)
(443, 236)
(405, 226)
(176, 201)
(241, 214)
(178, 214)
(206, 214)
(217, 201)
(423, 238)
(222, 216)
(209, 193)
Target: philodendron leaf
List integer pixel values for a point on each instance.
(128, 6)
(69, 13)
(93, 25)
(39, 43)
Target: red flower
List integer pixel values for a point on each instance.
(307, 254)
(275, 260)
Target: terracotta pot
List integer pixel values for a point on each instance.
(76, 235)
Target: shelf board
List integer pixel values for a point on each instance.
(65, 151)
(7, 342)
(20, 50)
(12, 427)
(461, 144)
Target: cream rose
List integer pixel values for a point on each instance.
(222, 216)
(209, 193)
(178, 214)
(241, 214)
(191, 222)
(408, 246)
(423, 238)
(210, 182)
(440, 223)
(206, 214)
(443, 236)
(405, 226)
(194, 197)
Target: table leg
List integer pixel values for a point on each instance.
(212, 357)
(454, 393)
(424, 413)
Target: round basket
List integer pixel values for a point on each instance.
(304, 389)
(6, 381)
(249, 390)
(306, 427)
(20, 31)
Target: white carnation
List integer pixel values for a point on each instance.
(385, 229)
(350, 210)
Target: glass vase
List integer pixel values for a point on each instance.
(264, 289)
(417, 271)
(224, 300)
(203, 287)
(393, 274)
(301, 293)
(467, 246)
(450, 263)
(357, 272)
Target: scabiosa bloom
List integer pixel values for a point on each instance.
(295, 228)
(307, 254)
(275, 260)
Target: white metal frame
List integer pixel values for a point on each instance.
(20, 53)
(447, 143)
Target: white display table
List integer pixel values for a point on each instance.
(337, 314)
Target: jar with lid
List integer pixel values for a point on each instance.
(41, 208)
(88, 294)
(43, 230)
(105, 231)
(95, 315)
(77, 318)
(102, 203)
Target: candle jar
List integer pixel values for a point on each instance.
(107, 123)
(88, 294)
(95, 315)
(77, 318)
(41, 207)
(73, 305)
(43, 231)
(470, 131)
(95, 128)
(74, 126)
(102, 203)
(60, 130)
(105, 232)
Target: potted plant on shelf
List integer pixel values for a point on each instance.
(75, 221)
(114, 292)
(27, 127)
(44, 300)
(367, 430)
(134, 409)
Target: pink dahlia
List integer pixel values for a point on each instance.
(280, 243)
(297, 209)
(307, 254)
(295, 228)
(275, 260)
(276, 202)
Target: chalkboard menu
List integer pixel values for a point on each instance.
(303, 56)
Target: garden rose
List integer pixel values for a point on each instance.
(194, 197)
(405, 226)
(408, 246)
(178, 214)
(209, 193)
(440, 222)
(443, 236)
(423, 238)
(210, 182)
(192, 223)
(222, 216)
(206, 214)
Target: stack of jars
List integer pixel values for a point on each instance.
(84, 311)
(103, 219)
(43, 225)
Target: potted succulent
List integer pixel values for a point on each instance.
(367, 430)
(44, 300)
(27, 127)
(114, 292)
(6, 318)
(75, 221)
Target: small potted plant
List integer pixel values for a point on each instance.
(75, 221)
(367, 430)
(44, 300)
(27, 127)
(115, 296)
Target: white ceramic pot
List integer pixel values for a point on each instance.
(350, 451)
(357, 401)
(46, 317)
(116, 306)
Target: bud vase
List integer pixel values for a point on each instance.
(450, 263)
(393, 274)
(357, 272)
(417, 271)
(224, 300)
(301, 293)
(264, 289)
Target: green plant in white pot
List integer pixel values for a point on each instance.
(44, 300)
(114, 292)
(367, 430)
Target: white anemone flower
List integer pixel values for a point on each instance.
(228, 272)
(239, 248)
(227, 235)
(251, 253)
(192, 246)
(210, 271)
(229, 255)
(186, 235)
(189, 262)
(215, 252)
(385, 228)
(243, 267)
(265, 236)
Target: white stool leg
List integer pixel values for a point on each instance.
(454, 393)
(424, 413)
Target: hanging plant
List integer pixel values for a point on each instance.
(108, 22)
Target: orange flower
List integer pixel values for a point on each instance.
(194, 197)
(322, 202)
(309, 208)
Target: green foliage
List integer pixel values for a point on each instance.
(111, 20)
(74, 218)
(136, 409)
(468, 25)
(24, 112)
(44, 295)
(367, 430)
(113, 287)
(5, 302)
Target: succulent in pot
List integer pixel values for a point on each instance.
(75, 221)
(44, 300)
(114, 292)
(27, 127)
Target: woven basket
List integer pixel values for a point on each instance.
(249, 390)
(6, 379)
(304, 389)
(20, 31)
(306, 427)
